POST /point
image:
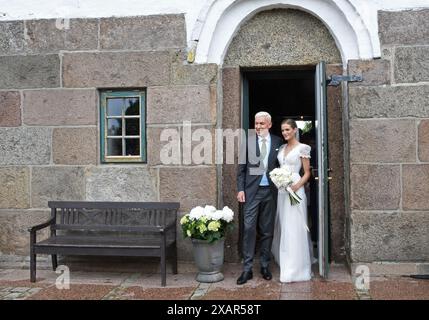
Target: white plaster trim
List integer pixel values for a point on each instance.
(354, 39)
(352, 23)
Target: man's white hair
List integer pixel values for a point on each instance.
(263, 114)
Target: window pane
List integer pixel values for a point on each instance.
(114, 106)
(114, 127)
(114, 147)
(132, 147)
(132, 127)
(132, 107)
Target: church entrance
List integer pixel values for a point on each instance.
(287, 94)
(278, 74)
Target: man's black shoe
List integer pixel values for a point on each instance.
(266, 274)
(246, 275)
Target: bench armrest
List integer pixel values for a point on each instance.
(41, 226)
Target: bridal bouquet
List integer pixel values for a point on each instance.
(282, 178)
(207, 223)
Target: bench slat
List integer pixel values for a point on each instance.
(141, 228)
(101, 242)
(110, 205)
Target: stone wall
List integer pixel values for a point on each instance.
(49, 116)
(389, 140)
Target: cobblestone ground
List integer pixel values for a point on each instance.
(15, 285)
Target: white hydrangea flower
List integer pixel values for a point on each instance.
(208, 210)
(228, 214)
(196, 213)
(216, 215)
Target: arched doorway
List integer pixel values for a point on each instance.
(272, 58)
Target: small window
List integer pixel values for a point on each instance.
(123, 126)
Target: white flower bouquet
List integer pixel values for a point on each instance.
(282, 178)
(207, 223)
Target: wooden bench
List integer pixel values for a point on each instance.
(146, 229)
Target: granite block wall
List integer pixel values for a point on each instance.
(49, 116)
(389, 114)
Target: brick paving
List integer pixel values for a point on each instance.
(90, 285)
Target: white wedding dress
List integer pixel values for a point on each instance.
(292, 247)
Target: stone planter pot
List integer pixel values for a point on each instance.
(209, 259)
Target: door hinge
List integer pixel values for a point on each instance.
(335, 79)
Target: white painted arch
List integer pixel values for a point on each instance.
(220, 20)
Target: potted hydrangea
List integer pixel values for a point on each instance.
(207, 228)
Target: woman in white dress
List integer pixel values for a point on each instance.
(292, 249)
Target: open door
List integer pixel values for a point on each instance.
(322, 168)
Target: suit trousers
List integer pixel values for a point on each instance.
(260, 212)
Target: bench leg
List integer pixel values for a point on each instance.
(174, 256)
(163, 272)
(163, 268)
(32, 267)
(32, 257)
(54, 262)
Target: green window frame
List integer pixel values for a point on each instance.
(123, 126)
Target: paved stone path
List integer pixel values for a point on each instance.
(15, 285)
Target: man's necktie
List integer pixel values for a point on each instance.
(263, 151)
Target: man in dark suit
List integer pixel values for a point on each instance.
(259, 195)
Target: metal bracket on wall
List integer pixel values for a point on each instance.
(335, 79)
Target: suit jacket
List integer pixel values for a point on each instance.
(247, 181)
